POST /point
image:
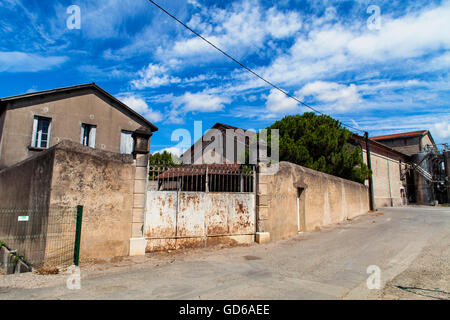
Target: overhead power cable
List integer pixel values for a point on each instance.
(242, 65)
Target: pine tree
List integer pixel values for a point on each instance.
(320, 142)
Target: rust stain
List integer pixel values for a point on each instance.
(217, 229)
(155, 245)
(191, 243)
(239, 207)
(203, 220)
(215, 241)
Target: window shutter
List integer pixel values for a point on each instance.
(49, 133)
(126, 142)
(92, 134)
(34, 135)
(83, 129)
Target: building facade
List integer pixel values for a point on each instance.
(428, 178)
(409, 142)
(389, 172)
(84, 114)
(392, 173)
(220, 144)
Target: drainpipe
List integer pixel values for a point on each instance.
(389, 180)
(255, 192)
(369, 164)
(207, 180)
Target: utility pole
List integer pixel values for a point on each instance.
(447, 172)
(369, 164)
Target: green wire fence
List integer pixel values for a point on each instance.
(42, 236)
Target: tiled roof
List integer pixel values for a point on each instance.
(400, 135)
(380, 146)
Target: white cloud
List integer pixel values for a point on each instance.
(437, 123)
(192, 102)
(140, 106)
(14, 61)
(333, 95)
(278, 102)
(104, 19)
(280, 24)
(194, 3)
(202, 102)
(154, 76)
(441, 131)
(409, 36)
(379, 85)
(440, 62)
(323, 51)
(241, 28)
(96, 72)
(328, 49)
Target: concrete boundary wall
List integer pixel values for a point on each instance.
(25, 191)
(68, 175)
(300, 199)
(103, 183)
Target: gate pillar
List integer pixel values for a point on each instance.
(262, 208)
(141, 151)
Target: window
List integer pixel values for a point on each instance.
(41, 132)
(126, 142)
(88, 133)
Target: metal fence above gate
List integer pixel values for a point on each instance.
(203, 178)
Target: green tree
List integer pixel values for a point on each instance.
(161, 162)
(164, 158)
(320, 143)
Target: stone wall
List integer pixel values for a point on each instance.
(297, 199)
(102, 182)
(62, 177)
(24, 191)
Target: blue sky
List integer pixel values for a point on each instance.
(386, 80)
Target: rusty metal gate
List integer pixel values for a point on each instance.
(200, 205)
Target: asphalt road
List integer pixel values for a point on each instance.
(409, 245)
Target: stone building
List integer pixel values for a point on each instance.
(409, 143)
(74, 146)
(389, 172)
(428, 177)
(86, 114)
(392, 179)
(222, 143)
